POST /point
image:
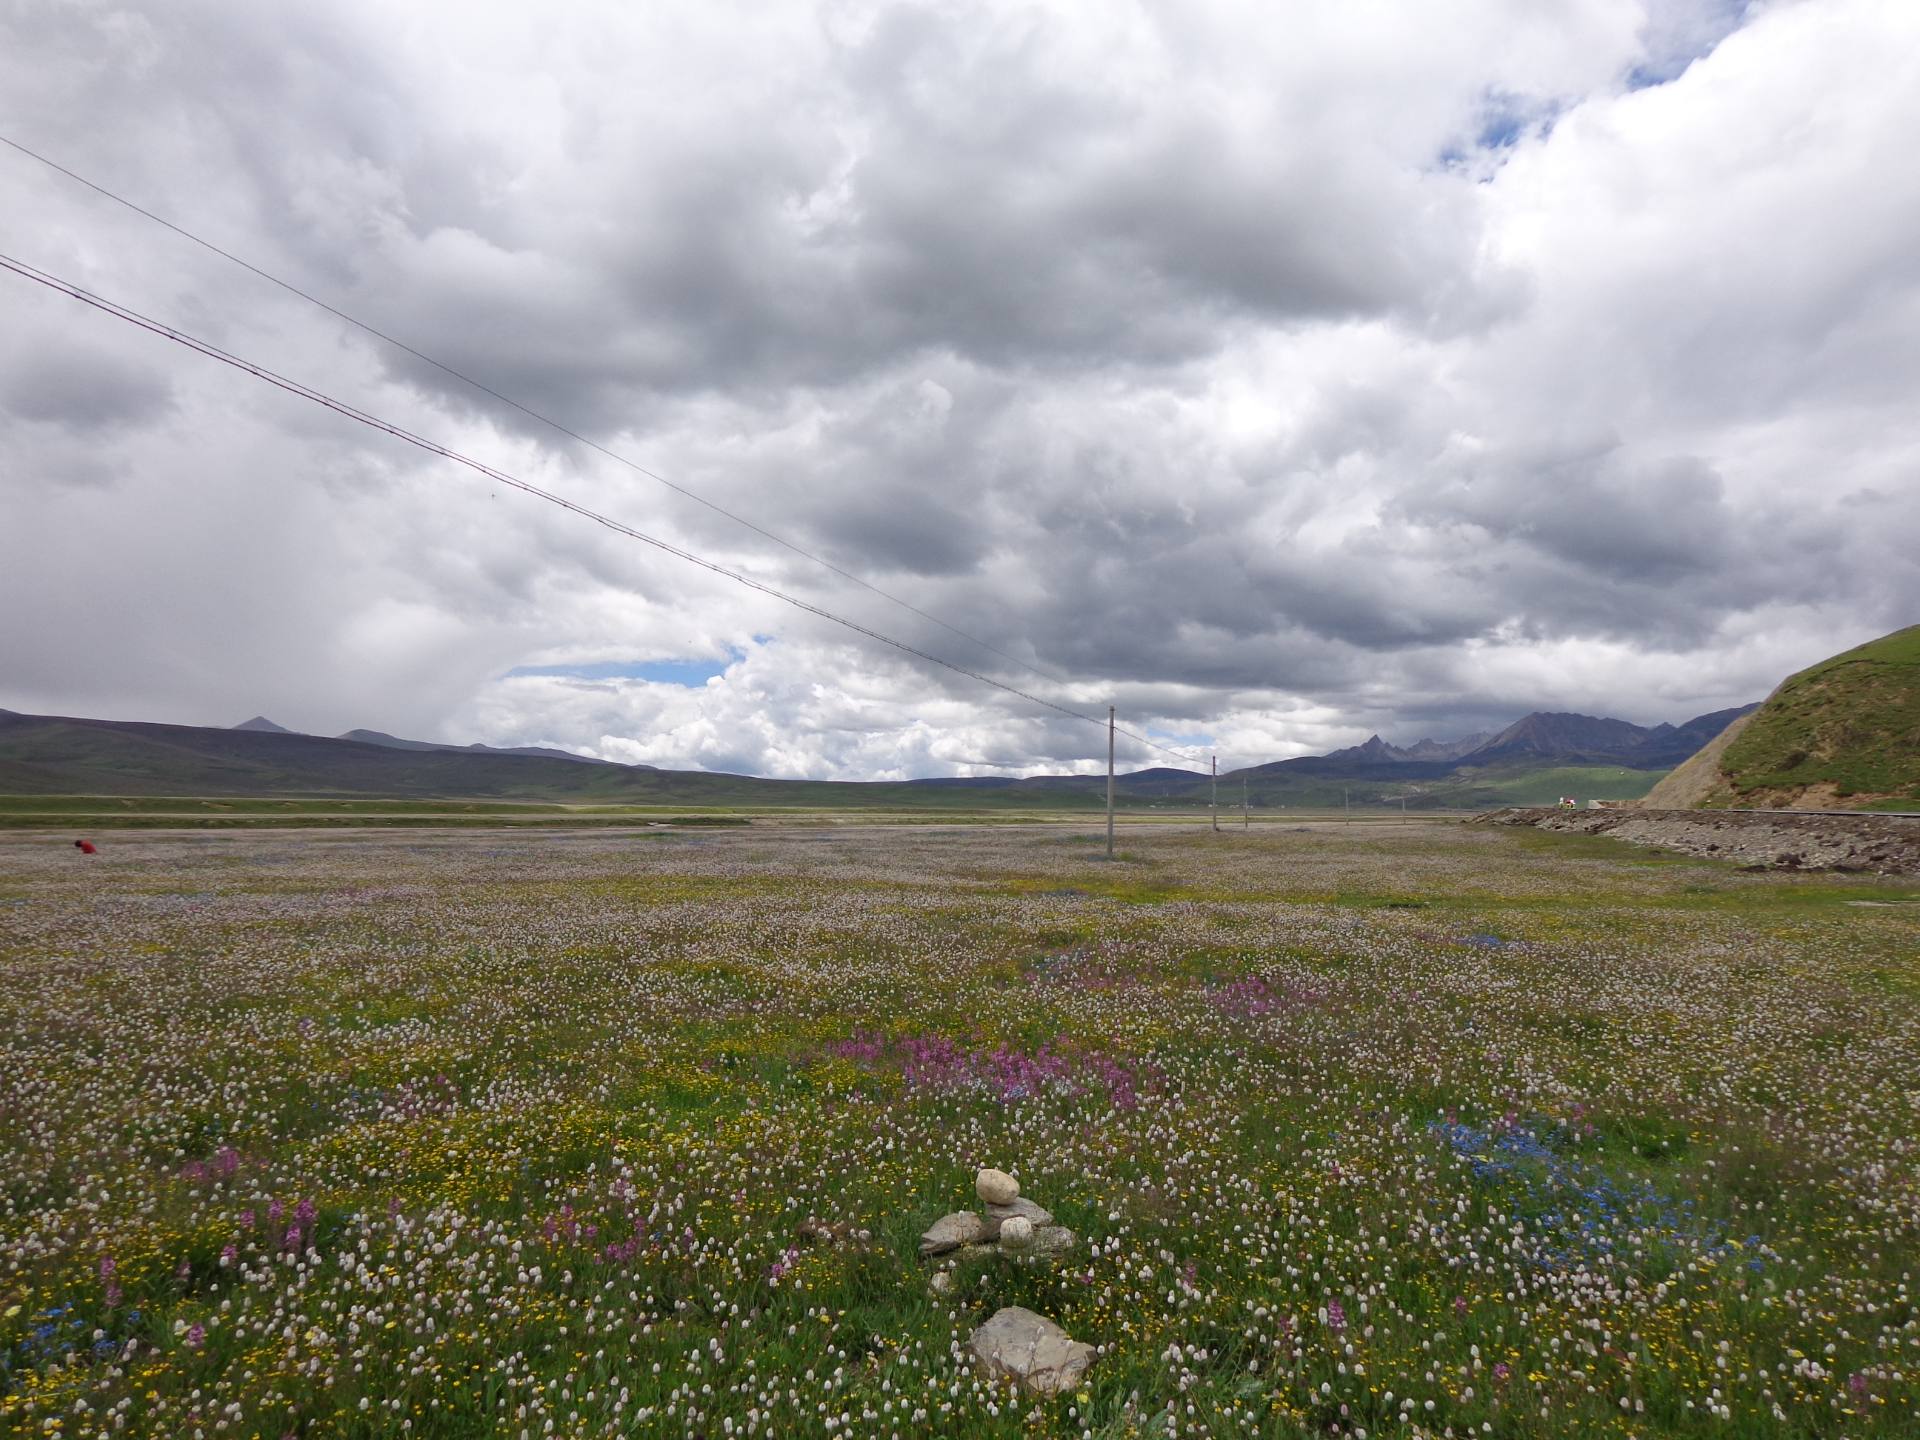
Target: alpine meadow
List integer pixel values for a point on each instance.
(1369, 1129)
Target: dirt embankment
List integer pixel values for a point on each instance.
(1698, 777)
(1880, 844)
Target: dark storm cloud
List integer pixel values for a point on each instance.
(934, 182)
(82, 389)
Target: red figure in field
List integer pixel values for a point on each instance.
(85, 847)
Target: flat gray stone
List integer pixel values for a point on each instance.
(1051, 1240)
(990, 1226)
(1030, 1350)
(950, 1232)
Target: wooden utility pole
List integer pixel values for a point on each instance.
(1109, 782)
(1346, 802)
(1246, 813)
(1214, 804)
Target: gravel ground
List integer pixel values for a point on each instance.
(1880, 844)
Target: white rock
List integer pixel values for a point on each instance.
(1018, 1345)
(996, 1187)
(942, 1282)
(1016, 1234)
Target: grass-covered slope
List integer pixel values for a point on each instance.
(65, 756)
(48, 755)
(1843, 733)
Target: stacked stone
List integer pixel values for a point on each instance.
(1011, 1225)
(1015, 1344)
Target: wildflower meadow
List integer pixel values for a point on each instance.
(1409, 1131)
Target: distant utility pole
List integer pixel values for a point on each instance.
(1346, 800)
(1214, 804)
(1109, 782)
(1246, 814)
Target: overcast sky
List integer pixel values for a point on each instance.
(1281, 373)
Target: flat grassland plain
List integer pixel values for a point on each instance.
(1420, 1131)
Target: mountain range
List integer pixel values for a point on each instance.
(1534, 758)
(1543, 735)
(260, 724)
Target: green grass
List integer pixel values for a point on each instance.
(262, 805)
(1583, 782)
(1852, 722)
(240, 812)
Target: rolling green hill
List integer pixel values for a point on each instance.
(1510, 782)
(1842, 734)
(54, 756)
(61, 755)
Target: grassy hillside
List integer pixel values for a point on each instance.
(1515, 781)
(54, 755)
(1545, 786)
(49, 756)
(1844, 732)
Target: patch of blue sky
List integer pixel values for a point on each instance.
(1691, 34)
(691, 674)
(1645, 76)
(1503, 121)
(1501, 129)
(1197, 745)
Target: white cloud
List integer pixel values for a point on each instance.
(1281, 381)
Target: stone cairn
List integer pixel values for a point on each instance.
(1016, 1344)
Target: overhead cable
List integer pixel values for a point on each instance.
(524, 409)
(434, 447)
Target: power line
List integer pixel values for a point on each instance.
(526, 410)
(434, 447)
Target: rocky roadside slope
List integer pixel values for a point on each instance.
(1878, 844)
(1697, 778)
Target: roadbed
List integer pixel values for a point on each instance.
(1773, 840)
